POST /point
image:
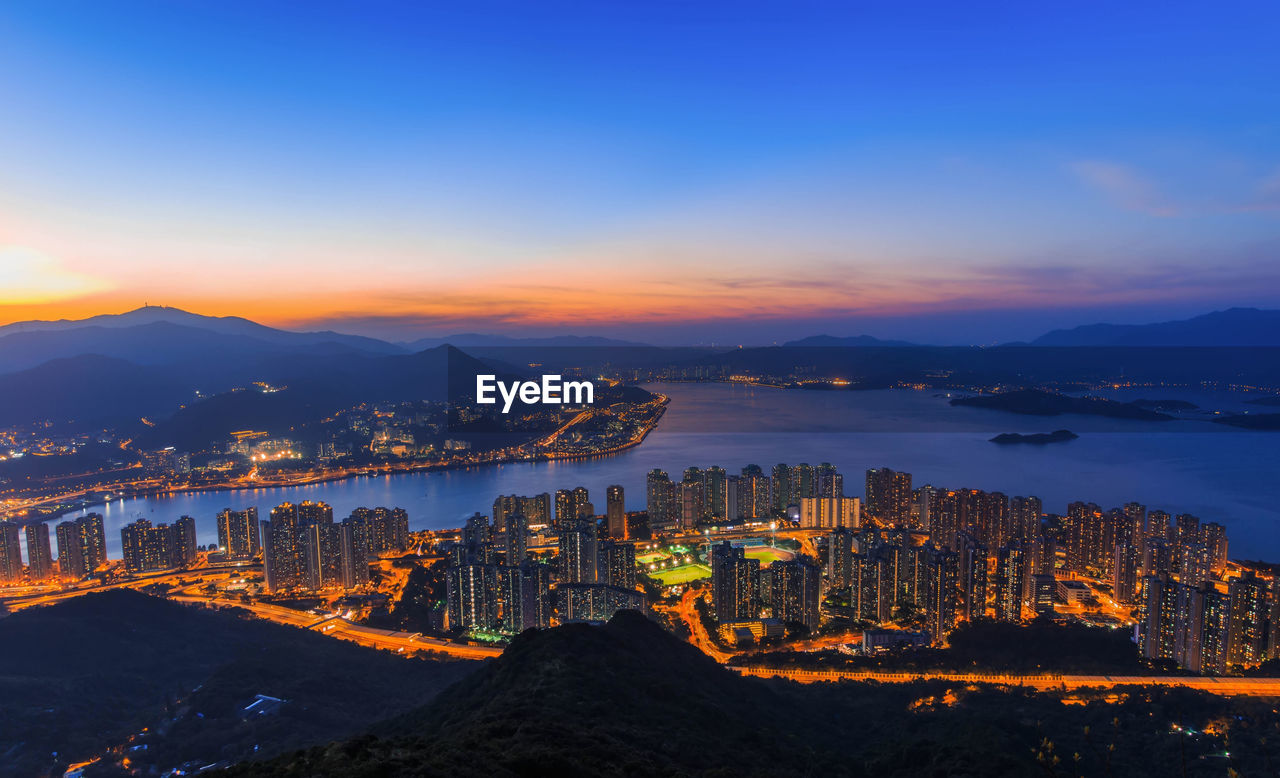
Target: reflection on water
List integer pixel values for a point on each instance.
(1217, 473)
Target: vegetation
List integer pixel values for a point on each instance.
(1042, 646)
(89, 674)
(627, 699)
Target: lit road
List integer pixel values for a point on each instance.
(697, 633)
(1252, 687)
(338, 627)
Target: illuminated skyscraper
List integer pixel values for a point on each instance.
(10, 552)
(616, 512)
(660, 501)
(579, 553)
(39, 555)
(618, 564)
(238, 533)
(526, 596)
(1249, 608)
(184, 541)
(735, 584)
(1011, 583)
(1126, 578)
(81, 546)
(796, 591)
(888, 496)
(840, 557)
(146, 547)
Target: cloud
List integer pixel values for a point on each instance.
(1125, 187)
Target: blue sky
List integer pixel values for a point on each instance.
(669, 171)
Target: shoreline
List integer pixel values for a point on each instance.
(371, 472)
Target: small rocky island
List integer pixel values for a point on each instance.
(1036, 438)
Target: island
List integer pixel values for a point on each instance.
(1034, 402)
(1035, 438)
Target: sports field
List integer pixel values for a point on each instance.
(652, 556)
(682, 574)
(768, 556)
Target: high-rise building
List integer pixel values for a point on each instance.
(973, 577)
(618, 564)
(840, 557)
(579, 553)
(354, 553)
(781, 488)
(660, 501)
(735, 584)
(238, 533)
(795, 591)
(146, 547)
(1011, 583)
(616, 512)
(830, 512)
(10, 552)
(526, 596)
(388, 529)
(1157, 617)
(516, 538)
(1249, 608)
(942, 597)
(322, 552)
(691, 499)
(595, 602)
(39, 554)
(81, 546)
(1214, 538)
(472, 592)
(536, 510)
(282, 549)
(1126, 578)
(828, 482)
(184, 541)
(888, 496)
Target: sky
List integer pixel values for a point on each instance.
(669, 171)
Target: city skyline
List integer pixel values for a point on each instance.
(988, 176)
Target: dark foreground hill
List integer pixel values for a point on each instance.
(91, 673)
(627, 699)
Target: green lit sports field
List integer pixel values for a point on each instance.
(682, 574)
(768, 555)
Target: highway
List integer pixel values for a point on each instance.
(338, 627)
(1252, 687)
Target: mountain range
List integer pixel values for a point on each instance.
(157, 361)
(163, 336)
(1232, 327)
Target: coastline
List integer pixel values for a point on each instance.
(347, 474)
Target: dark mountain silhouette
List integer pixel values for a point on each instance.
(96, 391)
(92, 391)
(1232, 327)
(169, 336)
(318, 390)
(628, 699)
(86, 674)
(821, 341)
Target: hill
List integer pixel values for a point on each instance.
(628, 699)
(132, 332)
(91, 672)
(1232, 327)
